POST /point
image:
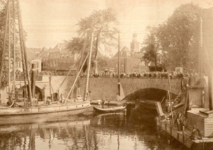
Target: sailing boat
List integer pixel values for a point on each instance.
(32, 113)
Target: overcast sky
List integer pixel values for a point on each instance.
(48, 22)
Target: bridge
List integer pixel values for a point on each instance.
(106, 87)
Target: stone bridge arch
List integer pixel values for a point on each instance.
(107, 87)
(131, 85)
(149, 94)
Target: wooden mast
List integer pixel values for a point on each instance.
(119, 84)
(88, 70)
(169, 96)
(14, 50)
(210, 90)
(4, 44)
(24, 54)
(9, 47)
(200, 46)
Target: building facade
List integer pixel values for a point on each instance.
(129, 62)
(58, 59)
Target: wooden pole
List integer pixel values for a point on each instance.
(170, 96)
(88, 70)
(25, 55)
(169, 89)
(9, 48)
(124, 64)
(200, 46)
(4, 45)
(119, 85)
(51, 96)
(22, 51)
(14, 50)
(210, 90)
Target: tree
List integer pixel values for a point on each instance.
(102, 24)
(79, 46)
(179, 36)
(76, 45)
(151, 49)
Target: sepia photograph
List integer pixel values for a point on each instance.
(106, 74)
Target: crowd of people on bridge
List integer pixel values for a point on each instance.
(157, 75)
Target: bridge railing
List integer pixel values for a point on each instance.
(147, 75)
(161, 75)
(21, 78)
(152, 75)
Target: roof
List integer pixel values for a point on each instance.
(125, 52)
(60, 48)
(31, 54)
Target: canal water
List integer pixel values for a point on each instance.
(134, 129)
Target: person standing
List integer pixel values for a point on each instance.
(44, 95)
(25, 96)
(16, 93)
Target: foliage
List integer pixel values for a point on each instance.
(76, 45)
(152, 53)
(102, 24)
(179, 36)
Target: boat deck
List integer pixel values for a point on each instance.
(41, 108)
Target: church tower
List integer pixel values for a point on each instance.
(134, 46)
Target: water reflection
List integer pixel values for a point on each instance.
(129, 130)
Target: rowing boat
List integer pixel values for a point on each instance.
(148, 104)
(109, 109)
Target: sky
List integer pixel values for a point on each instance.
(49, 22)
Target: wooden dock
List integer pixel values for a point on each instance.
(183, 135)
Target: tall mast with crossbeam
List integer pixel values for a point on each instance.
(9, 45)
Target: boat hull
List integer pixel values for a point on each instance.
(41, 114)
(109, 110)
(148, 104)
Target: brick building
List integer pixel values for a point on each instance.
(58, 59)
(130, 62)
